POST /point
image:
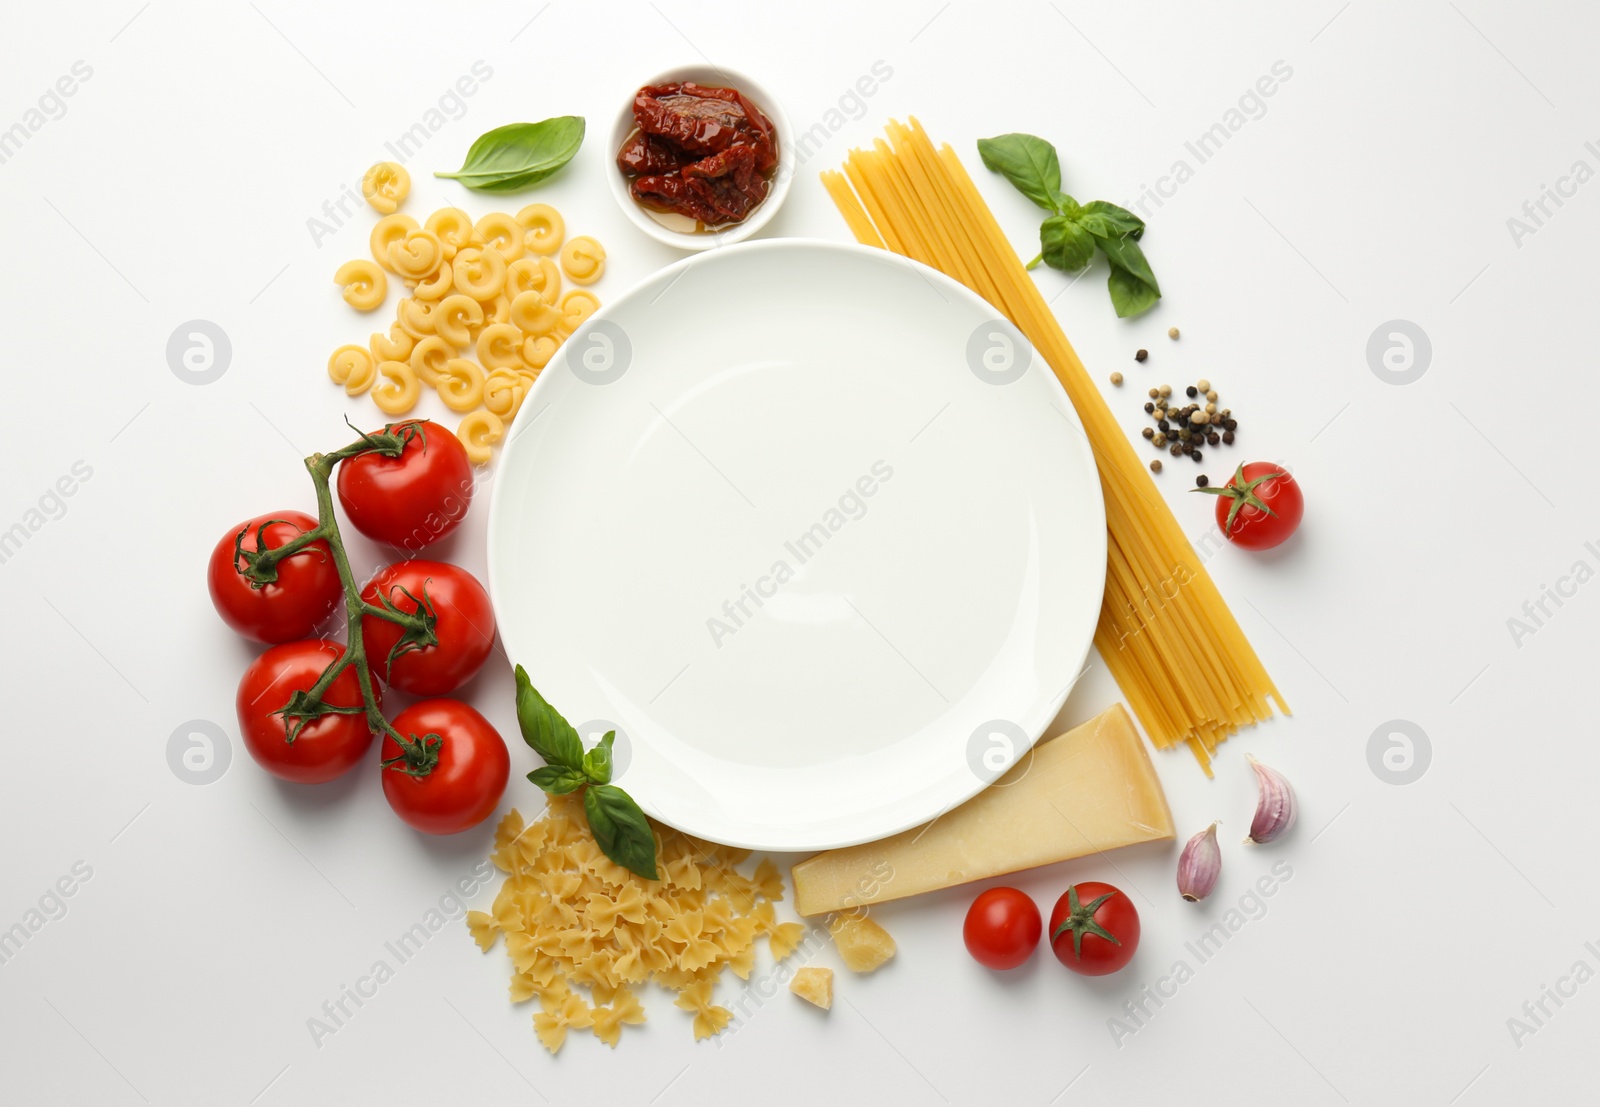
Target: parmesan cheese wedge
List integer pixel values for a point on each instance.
(1087, 791)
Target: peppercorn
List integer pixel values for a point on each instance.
(1184, 433)
(1141, 355)
(1190, 392)
(1196, 455)
(1148, 432)
(1227, 437)
(1201, 481)
(1155, 466)
(1199, 419)
(1148, 408)
(1211, 394)
(1116, 378)
(1227, 411)
(1175, 449)
(1213, 438)
(1172, 332)
(1165, 424)
(1164, 391)
(1203, 385)
(1159, 439)
(1154, 392)
(1230, 424)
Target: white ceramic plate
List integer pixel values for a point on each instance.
(813, 529)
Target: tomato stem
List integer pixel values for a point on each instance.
(418, 755)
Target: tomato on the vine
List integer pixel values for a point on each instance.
(1259, 507)
(303, 587)
(451, 646)
(322, 748)
(413, 499)
(1002, 928)
(454, 772)
(1094, 928)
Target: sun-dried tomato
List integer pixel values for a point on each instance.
(699, 151)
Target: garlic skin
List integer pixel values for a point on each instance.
(1199, 865)
(1276, 806)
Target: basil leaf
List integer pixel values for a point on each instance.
(1130, 295)
(1064, 244)
(1114, 220)
(543, 728)
(556, 780)
(1125, 254)
(597, 762)
(1028, 162)
(1066, 205)
(621, 829)
(518, 155)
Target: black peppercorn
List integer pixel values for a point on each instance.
(1213, 438)
(1175, 449)
(1191, 392)
(1148, 432)
(1164, 425)
(1201, 481)
(1227, 436)
(1149, 409)
(1141, 355)
(1196, 455)
(1230, 424)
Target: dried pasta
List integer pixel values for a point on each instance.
(396, 388)
(365, 286)
(571, 919)
(386, 185)
(545, 229)
(583, 260)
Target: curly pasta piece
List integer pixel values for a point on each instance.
(497, 346)
(537, 350)
(583, 259)
(502, 233)
(416, 316)
(480, 272)
(531, 314)
(386, 186)
(460, 385)
(479, 432)
(503, 390)
(545, 229)
(416, 255)
(353, 367)
(386, 232)
(394, 346)
(454, 228)
(457, 317)
(438, 286)
(541, 275)
(577, 306)
(429, 357)
(497, 310)
(397, 388)
(365, 286)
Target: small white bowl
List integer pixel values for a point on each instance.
(655, 224)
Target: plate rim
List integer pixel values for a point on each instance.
(812, 843)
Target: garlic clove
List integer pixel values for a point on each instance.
(1199, 865)
(1276, 806)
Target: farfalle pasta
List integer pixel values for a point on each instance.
(572, 919)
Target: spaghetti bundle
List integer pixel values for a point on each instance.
(1165, 633)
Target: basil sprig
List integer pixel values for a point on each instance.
(618, 825)
(518, 155)
(1069, 237)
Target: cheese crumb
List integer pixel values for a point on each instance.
(814, 985)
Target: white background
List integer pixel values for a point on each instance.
(1376, 186)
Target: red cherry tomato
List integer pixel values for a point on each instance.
(290, 607)
(1260, 506)
(464, 787)
(463, 627)
(410, 500)
(323, 748)
(1094, 929)
(1002, 928)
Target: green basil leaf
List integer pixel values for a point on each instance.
(597, 762)
(556, 780)
(621, 829)
(1064, 244)
(1125, 254)
(1066, 205)
(543, 728)
(518, 155)
(1114, 220)
(1130, 295)
(1028, 162)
